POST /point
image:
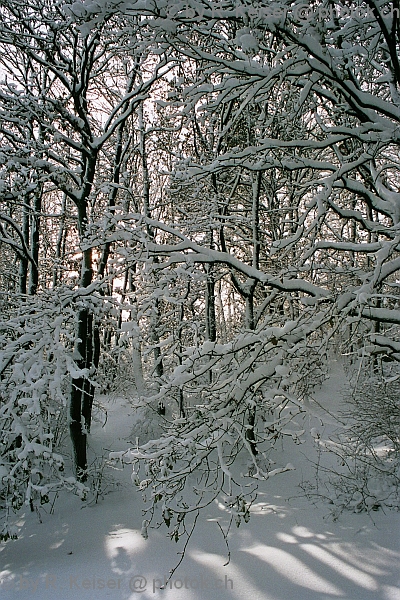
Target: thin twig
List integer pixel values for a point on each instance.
(172, 571)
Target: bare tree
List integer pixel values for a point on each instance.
(91, 89)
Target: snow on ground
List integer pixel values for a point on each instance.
(290, 550)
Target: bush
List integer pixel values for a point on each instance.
(36, 362)
(368, 450)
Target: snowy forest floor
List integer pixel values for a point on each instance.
(292, 549)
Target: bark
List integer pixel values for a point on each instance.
(250, 435)
(60, 244)
(250, 321)
(155, 318)
(35, 243)
(87, 352)
(136, 346)
(181, 399)
(23, 265)
(211, 327)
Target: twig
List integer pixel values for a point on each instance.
(172, 571)
(225, 536)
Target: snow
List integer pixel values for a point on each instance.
(166, 24)
(291, 549)
(248, 43)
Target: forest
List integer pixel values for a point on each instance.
(199, 208)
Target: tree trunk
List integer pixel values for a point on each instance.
(87, 352)
(23, 265)
(60, 245)
(250, 322)
(211, 326)
(136, 345)
(35, 243)
(155, 318)
(158, 362)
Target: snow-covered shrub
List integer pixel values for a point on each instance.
(311, 366)
(239, 398)
(368, 449)
(36, 361)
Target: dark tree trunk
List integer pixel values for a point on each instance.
(155, 319)
(60, 245)
(23, 265)
(251, 420)
(87, 351)
(211, 325)
(158, 362)
(250, 435)
(35, 243)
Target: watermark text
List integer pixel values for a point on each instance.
(135, 583)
